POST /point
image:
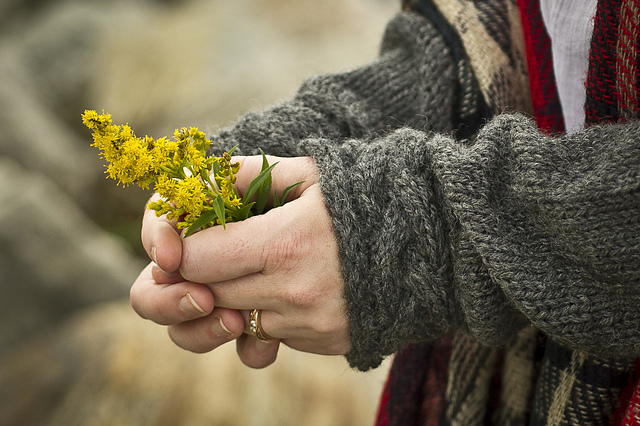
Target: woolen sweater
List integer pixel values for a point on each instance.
(489, 234)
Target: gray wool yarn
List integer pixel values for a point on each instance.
(515, 229)
(403, 87)
(511, 230)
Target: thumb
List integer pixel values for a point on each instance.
(161, 240)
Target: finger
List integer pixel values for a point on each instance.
(259, 244)
(169, 303)
(246, 315)
(205, 334)
(218, 254)
(287, 172)
(163, 277)
(256, 353)
(253, 291)
(161, 240)
(264, 262)
(321, 336)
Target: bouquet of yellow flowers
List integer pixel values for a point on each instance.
(197, 190)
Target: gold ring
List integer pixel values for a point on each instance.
(255, 326)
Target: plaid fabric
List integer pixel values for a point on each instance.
(542, 83)
(471, 107)
(416, 385)
(486, 41)
(613, 81)
(532, 380)
(577, 389)
(628, 412)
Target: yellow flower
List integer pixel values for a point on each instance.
(235, 201)
(200, 142)
(93, 121)
(160, 207)
(190, 195)
(180, 170)
(225, 185)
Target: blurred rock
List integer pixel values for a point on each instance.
(97, 369)
(206, 62)
(70, 356)
(53, 259)
(158, 65)
(47, 69)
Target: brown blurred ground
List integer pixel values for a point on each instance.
(71, 350)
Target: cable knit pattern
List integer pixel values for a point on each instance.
(393, 242)
(556, 222)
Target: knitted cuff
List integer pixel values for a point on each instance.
(393, 242)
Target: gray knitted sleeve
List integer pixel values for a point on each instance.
(435, 235)
(403, 87)
(515, 229)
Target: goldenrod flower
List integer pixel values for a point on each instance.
(181, 173)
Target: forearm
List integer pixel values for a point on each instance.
(405, 86)
(561, 236)
(516, 229)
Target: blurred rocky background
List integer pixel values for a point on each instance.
(72, 352)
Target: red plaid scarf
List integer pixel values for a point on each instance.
(415, 393)
(542, 82)
(613, 82)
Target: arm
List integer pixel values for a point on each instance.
(433, 236)
(405, 86)
(436, 235)
(515, 229)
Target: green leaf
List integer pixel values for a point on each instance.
(216, 168)
(257, 182)
(242, 213)
(204, 218)
(264, 190)
(288, 190)
(218, 207)
(285, 194)
(265, 163)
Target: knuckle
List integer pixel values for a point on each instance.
(301, 295)
(279, 252)
(324, 326)
(321, 327)
(286, 251)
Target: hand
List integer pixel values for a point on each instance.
(284, 262)
(166, 298)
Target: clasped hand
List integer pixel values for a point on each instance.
(284, 262)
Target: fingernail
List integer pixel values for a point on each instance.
(219, 329)
(188, 305)
(168, 274)
(263, 345)
(153, 253)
